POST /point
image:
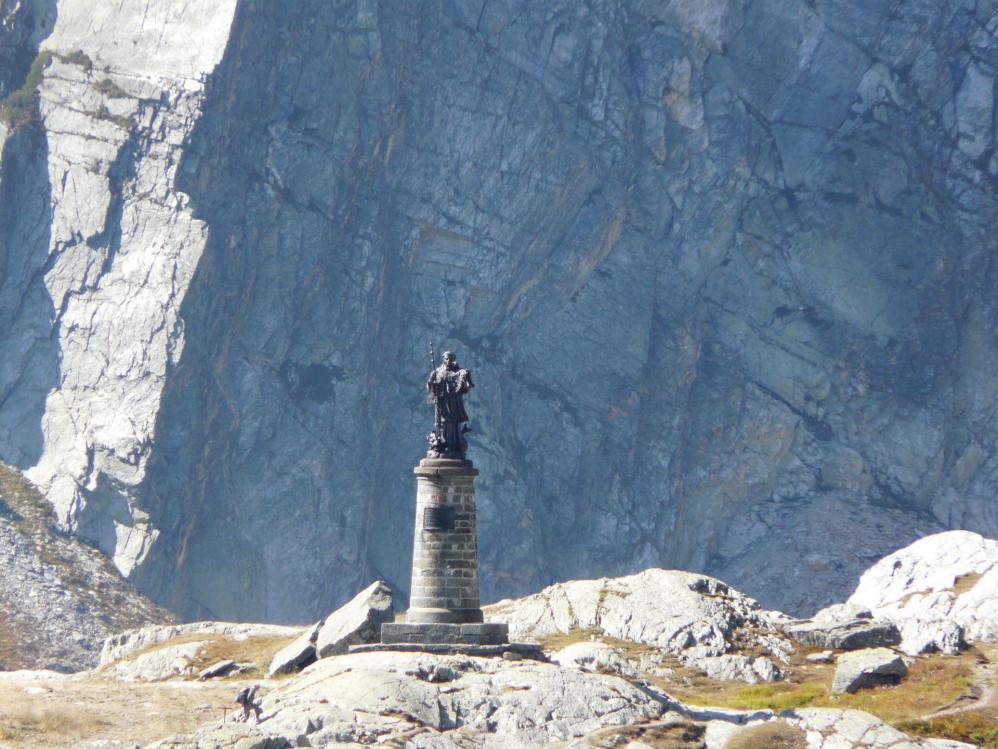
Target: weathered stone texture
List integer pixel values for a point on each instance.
(445, 547)
(727, 267)
(356, 622)
(862, 669)
(59, 598)
(940, 590)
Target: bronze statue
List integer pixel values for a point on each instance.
(446, 387)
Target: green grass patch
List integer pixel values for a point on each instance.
(21, 106)
(79, 57)
(932, 683)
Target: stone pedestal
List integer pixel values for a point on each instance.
(445, 545)
(444, 609)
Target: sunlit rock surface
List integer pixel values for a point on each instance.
(940, 590)
(723, 271)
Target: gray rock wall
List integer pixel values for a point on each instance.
(724, 272)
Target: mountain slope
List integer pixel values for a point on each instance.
(60, 598)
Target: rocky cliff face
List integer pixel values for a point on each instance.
(724, 271)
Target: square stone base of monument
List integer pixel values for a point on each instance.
(513, 651)
(409, 633)
(484, 640)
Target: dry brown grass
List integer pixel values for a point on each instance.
(65, 712)
(256, 651)
(564, 639)
(977, 722)
(777, 734)
(965, 582)
(632, 650)
(978, 727)
(682, 735)
(21, 722)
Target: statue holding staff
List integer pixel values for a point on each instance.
(446, 387)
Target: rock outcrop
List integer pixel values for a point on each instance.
(400, 695)
(454, 702)
(595, 656)
(157, 653)
(356, 622)
(725, 269)
(694, 617)
(124, 644)
(296, 655)
(940, 590)
(829, 729)
(844, 627)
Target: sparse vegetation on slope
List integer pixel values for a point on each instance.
(60, 597)
(775, 735)
(255, 651)
(19, 106)
(975, 727)
(933, 682)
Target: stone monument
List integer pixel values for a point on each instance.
(444, 608)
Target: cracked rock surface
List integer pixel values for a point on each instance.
(700, 620)
(724, 271)
(456, 702)
(940, 590)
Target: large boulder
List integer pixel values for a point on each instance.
(868, 668)
(936, 584)
(158, 663)
(297, 654)
(750, 669)
(359, 621)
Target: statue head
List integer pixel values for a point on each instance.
(450, 361)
